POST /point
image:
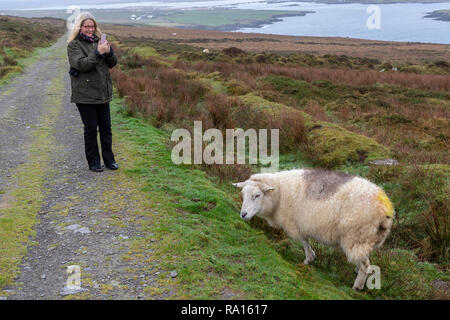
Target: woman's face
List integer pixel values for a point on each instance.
(88, 27)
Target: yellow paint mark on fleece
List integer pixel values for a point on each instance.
(382, 197)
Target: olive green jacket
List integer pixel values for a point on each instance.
(91, 80)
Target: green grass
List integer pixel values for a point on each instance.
(145, 51)
(202, 237)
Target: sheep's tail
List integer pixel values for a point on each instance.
(385, 225)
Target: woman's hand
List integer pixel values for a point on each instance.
(103, 48)
(108, 48)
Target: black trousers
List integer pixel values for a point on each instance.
(93, 116)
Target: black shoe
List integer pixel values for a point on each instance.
(98, 168)
(112, 166)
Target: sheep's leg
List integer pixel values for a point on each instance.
(309, 252)
(360, 281)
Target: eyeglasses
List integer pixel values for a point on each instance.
(89, 27)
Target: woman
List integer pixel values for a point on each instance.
(90, 62)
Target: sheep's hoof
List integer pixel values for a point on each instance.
(308, 261)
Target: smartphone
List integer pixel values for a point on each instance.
(103, 38)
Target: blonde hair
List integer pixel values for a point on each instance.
(82, 17)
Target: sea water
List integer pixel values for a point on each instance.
(398, 22)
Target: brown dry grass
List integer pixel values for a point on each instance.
(253, 42)
(351, 77)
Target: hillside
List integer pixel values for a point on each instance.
(394, 52)
(334, 111)
(157, 230)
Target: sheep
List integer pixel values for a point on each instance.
(334, 208)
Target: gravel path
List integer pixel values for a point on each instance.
(90, 220)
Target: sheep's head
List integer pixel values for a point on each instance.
(254, 201)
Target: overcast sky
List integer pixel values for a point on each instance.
(27, 4)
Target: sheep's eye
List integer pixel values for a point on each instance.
(257, 195)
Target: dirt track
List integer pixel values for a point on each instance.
(86, 219)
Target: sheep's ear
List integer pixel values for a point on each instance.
(239, 184)
(265, 187)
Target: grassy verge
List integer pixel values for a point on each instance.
(217, 255)
(200, 233)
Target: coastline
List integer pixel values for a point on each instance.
(439, 15)
(253, 24)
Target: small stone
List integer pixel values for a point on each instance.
(173, 274)
(43, 276)
(73, 227)
(83, 230)
(71, 290)
(124, 237)
(114, 283)
(384, 162)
